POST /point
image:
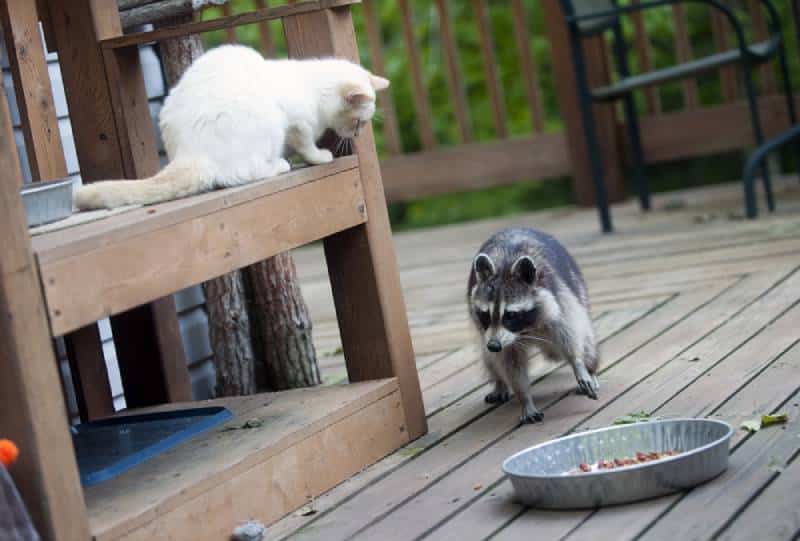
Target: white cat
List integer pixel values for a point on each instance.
(233, 115)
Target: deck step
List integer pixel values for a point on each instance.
(94, 270)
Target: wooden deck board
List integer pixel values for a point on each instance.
(667, 289)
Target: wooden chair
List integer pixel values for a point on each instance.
(61, 282)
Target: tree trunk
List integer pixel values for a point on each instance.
(281, 325)
(259, 309)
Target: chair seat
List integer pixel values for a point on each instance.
(761, 51)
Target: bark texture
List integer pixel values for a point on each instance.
(281, 324)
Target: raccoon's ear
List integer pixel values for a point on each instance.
(484, 267)
(524, 269)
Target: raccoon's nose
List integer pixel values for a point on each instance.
(494, 345)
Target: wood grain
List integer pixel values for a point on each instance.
(605, 121)
(455, 83)
(36, 419)
(132, 270)
(20, 21)
(420, 92)
(492, 78)
(361, 262)
(391, 131)
(475, 165)
(262, 473)
(222, 23)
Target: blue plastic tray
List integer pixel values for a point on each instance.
(107, 448)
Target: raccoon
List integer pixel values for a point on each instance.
(525, 291)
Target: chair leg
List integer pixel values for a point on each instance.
(632, 122)
(595, 159)
(759, 135)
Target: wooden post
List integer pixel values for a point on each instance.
(110, 146)
(33, 413)
(605, 117)
(46, 159)
(361, 261)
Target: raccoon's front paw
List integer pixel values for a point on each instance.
(531, 415)
(497, 397)
(589, 387)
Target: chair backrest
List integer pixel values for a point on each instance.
(587, 7)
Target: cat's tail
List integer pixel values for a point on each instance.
(179, 178)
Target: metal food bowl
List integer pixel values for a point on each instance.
(47, 202)
(539, 479)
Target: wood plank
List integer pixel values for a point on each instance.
(605, 119)
(721, 31)
(26, 55)
(475, 165)
(748, 474)
(683, 51)
(735, 390)
(376, 511)
(226, 475)
(711, 130)
(94, 235)
(391, 131)
(761, 33)
(90, 285)
(455, 83)
(46, 474)
(264, 33)
(361, 261)
(199, 27)
(482, 517)
(468, 408)
(419, 93)
(102, 154)
(230, 31)
(644, 52)
(528, 65)
(493, 83)
(45, 155)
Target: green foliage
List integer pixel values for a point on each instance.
(530, 195)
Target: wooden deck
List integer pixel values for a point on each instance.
(698, 315)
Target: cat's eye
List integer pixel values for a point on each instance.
(484, 318)
(517, 321)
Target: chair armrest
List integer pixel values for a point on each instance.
(715, 4)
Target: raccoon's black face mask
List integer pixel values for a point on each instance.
(503, 300)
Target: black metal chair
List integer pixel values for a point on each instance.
(757, 158)
(595, 17)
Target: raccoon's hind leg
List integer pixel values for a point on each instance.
(500, 394)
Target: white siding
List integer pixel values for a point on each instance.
(190, 303)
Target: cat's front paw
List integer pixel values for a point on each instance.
(320, 157)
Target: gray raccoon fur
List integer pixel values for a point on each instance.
(525, 291)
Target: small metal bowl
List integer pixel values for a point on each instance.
(539, 479)
(47, 202)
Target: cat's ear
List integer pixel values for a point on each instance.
(357, 99)
(378, 83)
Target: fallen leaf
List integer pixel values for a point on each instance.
(637, 417)
(751, 426)
(776, 465)
(780, 418)
(306, 511)
(477, 487)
